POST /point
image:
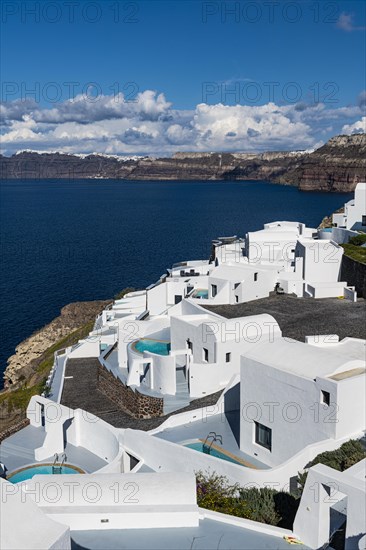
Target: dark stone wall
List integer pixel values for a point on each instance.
(14, 428)
(355, 274)
(133, 402)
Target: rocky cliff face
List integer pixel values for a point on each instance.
(337, 166)
(30, 165)
(29, 353)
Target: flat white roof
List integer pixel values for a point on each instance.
(238, 273)
(310, 361)
(278, 233)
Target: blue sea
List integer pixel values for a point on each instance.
(65, 241)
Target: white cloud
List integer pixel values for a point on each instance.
(346, 23)
(358, 127)
(150, 125)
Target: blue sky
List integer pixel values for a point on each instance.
(244, 75)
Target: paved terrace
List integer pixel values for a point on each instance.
(18, 450)
(300, 317)
(209, 534)
(80, 391)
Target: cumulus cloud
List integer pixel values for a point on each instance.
(150, 125)
(346, 23)
(358, 127)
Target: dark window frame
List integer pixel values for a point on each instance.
(263, 436)
(325, 397)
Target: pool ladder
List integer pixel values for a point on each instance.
(214, 437)
(57, 464)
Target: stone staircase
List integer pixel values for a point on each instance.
(182, 398)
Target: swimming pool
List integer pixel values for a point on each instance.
(155, 346)
(200, 293)
(45, 469)
(198, 446)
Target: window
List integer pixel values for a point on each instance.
(263, 436)
(363, 220)
(228, 357)
(256, 276)
(236, 285)
(213, 290)
(177, 298)
(205, 354)
(325, 396)
(236, 299)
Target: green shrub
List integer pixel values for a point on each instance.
(358, 240)
(340, 459)
(215, 493)
(264, 505)
(19, 399)
(357, 253)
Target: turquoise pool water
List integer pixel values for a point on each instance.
(28, 473)
(202, 293)
(198, 446)
(155, 346)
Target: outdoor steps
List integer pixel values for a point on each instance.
(181, 399)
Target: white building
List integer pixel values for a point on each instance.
(354, 216)
(195, 351)
(296, 394)
(143, 492)
(275, 243)
(318, 264)
(237, 283)
(338, 497)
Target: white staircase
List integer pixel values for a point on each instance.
(181, 399)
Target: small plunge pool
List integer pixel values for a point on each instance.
(200, 293)
(159, 347)
(201, 448)
(45, 469)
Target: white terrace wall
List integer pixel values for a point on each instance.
(350, 400)
(94, 434)
(252, 289)
(312, 520)
(321, 260)
(164, 456)
(118, 501)
(330, 290)
(23, 526)
(157, 299)
(83, 429)
(163, 373)
(287, 404)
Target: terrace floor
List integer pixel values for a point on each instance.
(209, 534)
(300, 317)
(218, 423)
(18, 450)
(80, 391)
